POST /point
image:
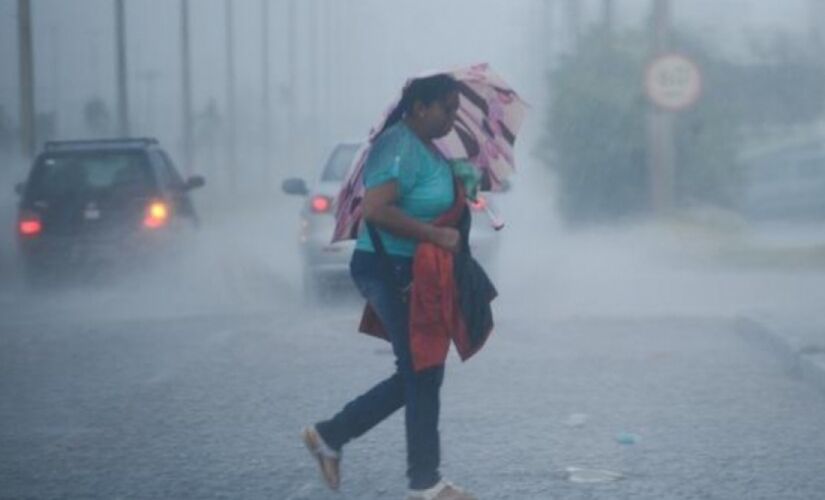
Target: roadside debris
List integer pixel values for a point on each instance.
(580, 475)
(576, 420)
(627, 438)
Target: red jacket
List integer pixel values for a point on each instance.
(449, 299)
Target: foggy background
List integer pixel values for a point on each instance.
(274, 85)
(638, 242)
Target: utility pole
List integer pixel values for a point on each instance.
(551, 33)
(816, 9)
(574, 21)
(186, 82)
(313, 27)
(660, 140)
(56, 76)
(122, 89)
(26, 63)
(608, 17)
(316, 29)
(265, 99)
(292, 69)
(230, 96)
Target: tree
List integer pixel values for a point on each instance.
(596, 134)
(597, 129)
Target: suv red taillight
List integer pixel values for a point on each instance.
(29, 225)
(320, 204)
(157, 215)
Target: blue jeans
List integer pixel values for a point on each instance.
(418, 392)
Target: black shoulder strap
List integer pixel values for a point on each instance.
(377, 244)
(383, 256)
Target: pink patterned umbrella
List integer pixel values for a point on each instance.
(489, 116)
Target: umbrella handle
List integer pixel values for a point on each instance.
(495, 220)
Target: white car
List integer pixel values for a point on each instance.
(326, 264)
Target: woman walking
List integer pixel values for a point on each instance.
(412, 207)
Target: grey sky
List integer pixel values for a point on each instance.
(364, 49)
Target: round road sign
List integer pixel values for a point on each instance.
(673, 82)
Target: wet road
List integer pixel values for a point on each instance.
(195, 383)
(209, 406)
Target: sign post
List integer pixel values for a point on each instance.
(672, 83)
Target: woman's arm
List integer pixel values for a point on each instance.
(380, 209)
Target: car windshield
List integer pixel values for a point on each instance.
(67, 174)
(339, 162)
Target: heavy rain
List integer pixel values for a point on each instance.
(174, 312)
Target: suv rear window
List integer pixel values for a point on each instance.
(339, 162)
(59, 175)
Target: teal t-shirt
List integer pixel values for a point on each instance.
(425, 183)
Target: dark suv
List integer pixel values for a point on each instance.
(100, 201)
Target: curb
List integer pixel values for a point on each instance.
(806, 363)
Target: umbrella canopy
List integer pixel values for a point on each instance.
(489, 116)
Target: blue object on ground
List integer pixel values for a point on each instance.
(627, 438)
